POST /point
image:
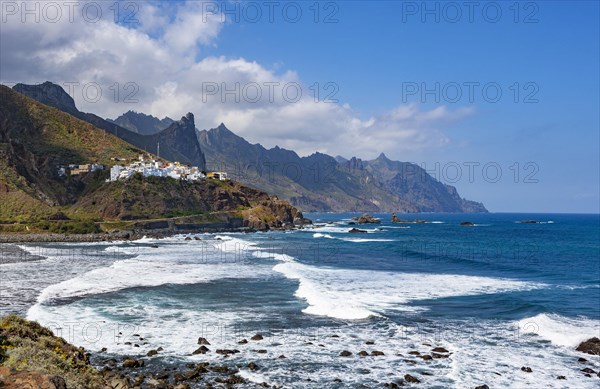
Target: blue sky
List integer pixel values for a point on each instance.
(373, 53)
(370, 52)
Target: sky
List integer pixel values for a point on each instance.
(500, 99)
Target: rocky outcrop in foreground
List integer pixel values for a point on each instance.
(590, 346)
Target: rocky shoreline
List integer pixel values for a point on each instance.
(101, 370)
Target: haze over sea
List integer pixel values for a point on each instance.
(498, 295)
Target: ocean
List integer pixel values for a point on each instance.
(498, 295)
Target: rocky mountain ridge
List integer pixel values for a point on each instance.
(36, 139)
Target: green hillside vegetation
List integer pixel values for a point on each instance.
(36, 139)
(26, 346)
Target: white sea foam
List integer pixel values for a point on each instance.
(559, 330)
(169, 264)
(358, 294)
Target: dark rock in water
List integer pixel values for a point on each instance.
(197, 238)
(159, 349)
(377, 353)
(130, 363)
(561, 377)
(152, 353)
(411, 379)
(243, 341)
(282, 357)
(590, 346)
(363, 353)
(154, 246)
(201, 350)
(467, 223)
(203, 341)
(414, 353)
(335, 336)
(188, 238)
(257, 337)
(440, 350)
(366, 219)
(438, 356)
(127, 343)
(356, 230)
(261, 351)
(391, 385)
(351, 223)
(411, 361)
(103, 350)
(588, 370)
(529, 221)
(233, 380)
(345, 353)
(526, 369)
(252, 366)
(227, 351)
(581, 360)
(482, 387)
(427, 357)
(370, 342)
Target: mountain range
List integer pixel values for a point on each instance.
(36, 143)
(315, 183)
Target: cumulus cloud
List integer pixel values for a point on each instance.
(156, 65)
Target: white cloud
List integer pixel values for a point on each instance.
(160, 55)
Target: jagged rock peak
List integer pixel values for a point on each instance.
(187, 120)
(48, 93)
(383, 157)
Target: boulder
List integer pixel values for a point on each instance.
(152, 353)
(345, 353)
(226, 352)
(590, 346)
(468, 224)
(356, 230)
(201, 350)
(130, 363)
(366, 219)
(257, 337)
(440, 350)
(482, 387)
(203, 341)
(377, 353)
(243, 341)
(363, 353)
(411, 379)
(526, 369)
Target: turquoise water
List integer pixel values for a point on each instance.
(499, 295)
